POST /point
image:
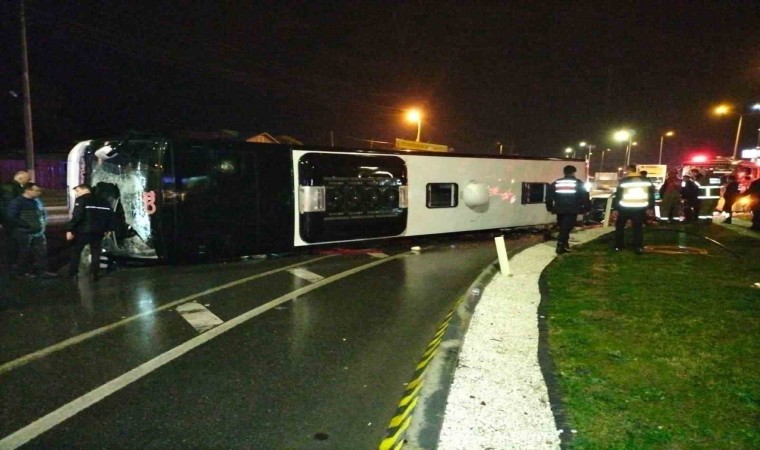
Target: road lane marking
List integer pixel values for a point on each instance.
(302, 273)
(50, 420)
(198, 316)
(377, 255)
(18, 362)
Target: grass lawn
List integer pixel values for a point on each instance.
(659, 350)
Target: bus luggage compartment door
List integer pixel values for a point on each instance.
(348, 197)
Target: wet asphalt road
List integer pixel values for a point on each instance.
(295, 364)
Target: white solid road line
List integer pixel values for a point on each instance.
(72, 408)
(199, 316)
(377, 255)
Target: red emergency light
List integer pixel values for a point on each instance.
(699, 158)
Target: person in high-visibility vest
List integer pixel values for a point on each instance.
(567, 197)
(633, 198)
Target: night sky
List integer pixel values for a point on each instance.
(536, 76)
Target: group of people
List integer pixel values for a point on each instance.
(675, 191)
(634, 198)
(24, 220)
(567, 197)
(680, 195)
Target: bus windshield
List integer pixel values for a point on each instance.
(126, 174)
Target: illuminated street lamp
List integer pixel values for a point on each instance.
(662, 140)
(589, 148)
(722, 110)
(414, 115)
(625, 136)
(570, 150)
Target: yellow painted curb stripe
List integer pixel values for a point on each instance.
(414, 383)
(403, 418)
(433, 348)
(391, 440)
(408, 398)
(400, 418)
(425, 362)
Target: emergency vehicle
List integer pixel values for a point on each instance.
(712, 173)
(655, 172)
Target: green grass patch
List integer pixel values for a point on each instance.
(659, 350)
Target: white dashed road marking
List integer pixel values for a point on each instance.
(199, 316)
(311, 277)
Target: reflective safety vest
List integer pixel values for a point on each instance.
(567, 195)
(565, 186)
(635, 192)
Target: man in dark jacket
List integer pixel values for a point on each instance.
(730, 195)
(90, 221)
(567, 197)
(9, 192)
(27, 218)
(690, 195)
(670, 194)
(753, 191)
(633, 198)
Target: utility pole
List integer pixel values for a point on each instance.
(29, 140)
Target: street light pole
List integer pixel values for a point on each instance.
(738, 131)
(29, 140)
(722, 110)
(601, 165)
(662, 140)
(623, 136)
(590, 151)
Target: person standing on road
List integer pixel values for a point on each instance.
(91, 219)
(670, 193)
(633, 198)
(690, 195)
(567, 197)
(730, 194)
(753, 191)
(28, 218)
(9, 192)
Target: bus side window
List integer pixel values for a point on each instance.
(191, 168)
(533, 193)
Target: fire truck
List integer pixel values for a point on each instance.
(711, 175)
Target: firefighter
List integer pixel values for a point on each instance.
(567, 197)
(634, 197)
